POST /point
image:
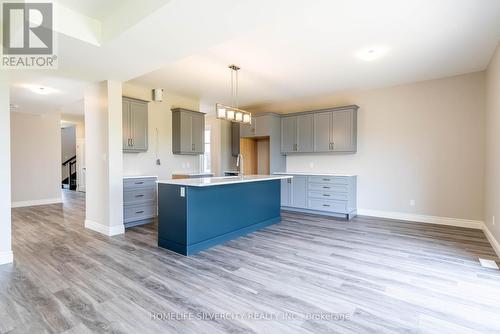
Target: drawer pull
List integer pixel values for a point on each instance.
(326, 195)
(139, 212)
(326, 179)
(327, 205)
(139, 183)
(326, 187)
(138, 196)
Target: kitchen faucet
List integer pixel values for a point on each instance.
(239, 163)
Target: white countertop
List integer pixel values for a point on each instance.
(216, 181)
(312, 174)
(140, 177)
(191, 173)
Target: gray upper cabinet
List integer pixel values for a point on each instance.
(344, 131)
(288, 134)
(305, 133)
(332, 130)
(235, 139)
(135, 125)
(188, 129)
(297, 133)
(322, 133)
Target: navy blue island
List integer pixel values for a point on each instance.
(195, 214)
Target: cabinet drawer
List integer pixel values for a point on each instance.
(328, 205)
(139, 195)
(328, 187)
(129, 184)
(329, 179)
(328, 196)
(138, 212)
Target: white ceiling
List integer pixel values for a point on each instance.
(286, 48)
(97, 9)
(310, 49)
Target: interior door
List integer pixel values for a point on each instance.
(139, 125)
(322, 132)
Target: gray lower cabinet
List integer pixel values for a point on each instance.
(327, 195)
(293, 192)
(323, 131)
(188, 131)
(135, 125)
(139, 201)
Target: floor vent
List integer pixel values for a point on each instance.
(488, 264)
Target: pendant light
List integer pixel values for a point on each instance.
(233, 113)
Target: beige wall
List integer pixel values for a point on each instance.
(36, 158)
(160, 118)
(422, 142)
(492, 166)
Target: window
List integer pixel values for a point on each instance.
(206, 158)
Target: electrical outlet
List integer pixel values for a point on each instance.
(311, 165)
(412, 202)
(188, 165)
(158, 162)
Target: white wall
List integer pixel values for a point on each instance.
(104, 161)
(422, 142)
(6, 255)
(36, 158)
(160, 121)
(68, 142)
(492, 166)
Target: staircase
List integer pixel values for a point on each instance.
(70, 181)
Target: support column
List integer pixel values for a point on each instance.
(104, 158)
(6, 255)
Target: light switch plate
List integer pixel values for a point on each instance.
(183, 192)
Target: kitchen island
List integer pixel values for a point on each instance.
(195, 214)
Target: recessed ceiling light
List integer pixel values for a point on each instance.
(41, 89)
(372, 53)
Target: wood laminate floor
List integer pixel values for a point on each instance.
(308, 274)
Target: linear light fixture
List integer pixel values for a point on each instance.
(233, 113)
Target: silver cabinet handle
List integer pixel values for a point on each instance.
(139, 182)
(326, 187)
(326, 205)
(326, 195)
(326, 179)
(139, 212)
(139, 196)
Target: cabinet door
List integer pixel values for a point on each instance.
(139, 126)
(343, 131)
(305, 137)
(198, 133)
(322, 132)
(235, 139)
(285, 192)
(299, 191)
(186, 129)
(262, 125)
(126, 125)
(246, 130)
(288, 134)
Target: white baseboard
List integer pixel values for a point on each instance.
(422, 218)
(6, 257)
(46, 201)
(104, 229)
(494, 243)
